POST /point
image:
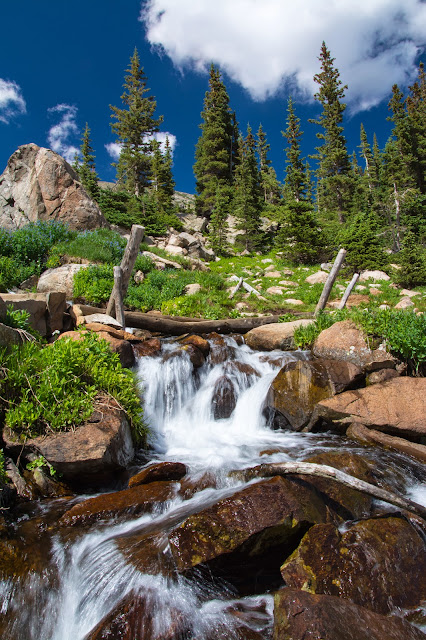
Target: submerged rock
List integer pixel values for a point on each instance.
(158, 472)
(300, 615)
(224, 398)
(388, 550)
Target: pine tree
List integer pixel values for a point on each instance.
(162, 181)
(416, 109)
(219, 221)
(215, 150)
(248, 193)
(134, 127)
(334, 183)
(295, 179)
(86, 168)
(268, 177)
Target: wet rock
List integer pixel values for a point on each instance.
(388, 550)
(148, 553)
(149, 347)
(235, 368)
(263, 515)
(89, 455)
(301, 616)
(199, 342)
(158, 472)
(242, 620)
(362, 434)
(301, 384)
(220, 351)
(140, 616)
(142, 334)
(195, 355)
(344, 341)
(120, 504)
(224, 398)
(272, 336)
(397, 407)
(191, 485)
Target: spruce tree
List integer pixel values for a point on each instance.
(416, 108)
(333, 174)
(162, 181)
(218, 227)
(215, 150)
(295, 180)
(248, 193)
(86, 167)
(134, 126)
(268, 177)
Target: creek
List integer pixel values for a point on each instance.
(71, 580)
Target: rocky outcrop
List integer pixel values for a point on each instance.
(277, 335)
(397, 407)
(46, 310)
(390, 551)
(301, 384)
(59, 279)
(345, 341)
(38, 184)
(366, 436)
(300, 615)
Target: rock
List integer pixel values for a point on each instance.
(269, 268)
(273, 274)
(115, 332)
(293, 301)
(381, 376)
(389, 550)
(224, 398)
(34, 304)
(38, 184)
(139, 277)
(129, 502)
(360, 287)
(373, 275)
(274, 291)
(30, 283)
(375, 292)
(142, 334)
(59, 279)
(157, 472)
(56, 307)
(344, 341)
(260, 517)
(409, 293)
(318, 277)
(123, 348)
(199, 342)
(150, 347)
(362, 434)
(99, 318)
(301, 616)
(9, 336)
(326, 266)
(175, 251)
(278, 335)
(288, 283)
(192, 289)
(404, 303)
(195, 355)
(301, 384)
(397, 407)
(220, 351)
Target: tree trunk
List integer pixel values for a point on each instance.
(127, 264)
(330, 281)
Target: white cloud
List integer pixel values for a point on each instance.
(114, 148)
(267, 44)
(59, 135)
(12, 102)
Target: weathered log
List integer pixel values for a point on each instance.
(325, 471)
(127, 264)
(235, 289)
(245, 285)
(176, 328)
(347, 293)
(119, 307)
(330, 281)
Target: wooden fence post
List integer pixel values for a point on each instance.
(348, 291)
(127, 264)
(118, 299)
(330, 281)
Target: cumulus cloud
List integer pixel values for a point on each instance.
(12, 102)
(60, 135)
(266, 45)
(114, 148)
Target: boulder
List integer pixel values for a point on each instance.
(159, 471)
(362, 434)
(149, 347)
(273, 274)
(127, 503)
(224, 398)
(195, 355)
(381, 376)
(301, 616)
(274, 291)
(389, 550)
(89, 455)
(98, 320)
(301, 384)
(319, 277)
(294, 301)
(38, 184)
(397, 407)
(199, 342)
(192, 289)
(345, 341)
(59, 279)
(373, 275)
(277, 335)
(35, 304)
(261, 516)
(9, 336)
(404, 303)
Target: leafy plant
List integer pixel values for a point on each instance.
(53, 388)
(17, 318)
(39, 463)
(99, 245)
(94, 283)
(3, 476)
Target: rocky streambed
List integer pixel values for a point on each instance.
(180, 546)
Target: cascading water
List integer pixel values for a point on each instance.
(84, 577)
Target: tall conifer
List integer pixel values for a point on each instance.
(86, 168)
(248, 193)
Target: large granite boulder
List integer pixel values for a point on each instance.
(59, 279)
(277, 335)
(389, 550)
(301, 616)
(38, 184)
(397, 407)
(345, 341)
(301, 384)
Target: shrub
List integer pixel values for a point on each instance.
(17, 318)
(99, 245)
(12, 272)
(94, 283)
(52, 388)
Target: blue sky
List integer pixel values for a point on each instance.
(62, 64)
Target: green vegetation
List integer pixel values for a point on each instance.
(17, 318)
(3, 476)
(53, 388)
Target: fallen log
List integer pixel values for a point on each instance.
(325, 471)
(176, 328)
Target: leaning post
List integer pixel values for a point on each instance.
(348, 291)
(127, 264)
(119, 307)
(330, 281)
